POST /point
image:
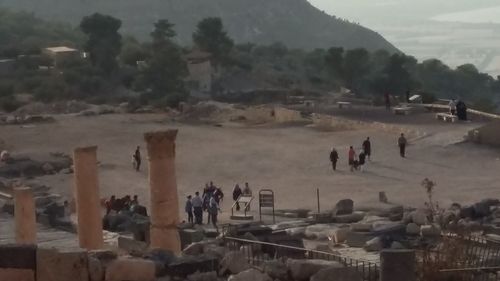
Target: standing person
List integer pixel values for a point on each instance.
(352, 157)
(402, 145)
(453, 107)
(247, 192)
(387, 99)
(334, 157)
(218, 195)
(137, 158)
(213, 210)
(461, 110)
(197, 208)
(206, 204)
(362, 157)
(236, 195)
(189, 209)
(367, 148)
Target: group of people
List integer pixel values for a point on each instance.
(458, 108)
(238, 192)
(125, 204)
(208, 202)
(358, 161)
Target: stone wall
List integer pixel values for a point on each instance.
(488, 134)
(283, 115)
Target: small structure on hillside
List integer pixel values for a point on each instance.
(201, 71)
(61, 53)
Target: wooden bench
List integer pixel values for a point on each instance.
(402, 110)
(446, 117)
(343, 104)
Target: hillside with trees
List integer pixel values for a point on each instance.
(119, 68)
(296, 23)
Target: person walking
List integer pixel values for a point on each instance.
(352, 157)
(137, 158)
(402, 145)
(213, 210)
(218, 195)
(367, 148)
(237, 192)
(189, 209)
(362, 158)
(334, 157)
(206, 204)
(197, 204)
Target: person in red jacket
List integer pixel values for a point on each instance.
(352, 158)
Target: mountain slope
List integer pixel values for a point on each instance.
(293, 22)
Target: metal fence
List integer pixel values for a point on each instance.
(258, 252)
(461, 258)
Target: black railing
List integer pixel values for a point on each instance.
(471, 274)
(259, 252)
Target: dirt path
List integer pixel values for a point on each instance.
(293, 161)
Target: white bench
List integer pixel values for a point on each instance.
(446, 117)
(343, 104)
(401, 110)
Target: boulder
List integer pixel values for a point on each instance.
(344, 207)
(53, 265)
(430, 231)
(48, 168)
(337, 274)
(379, 208)
(234, 262)
(186, 265)
(361, 227)
(161, 258)
(276, 269)
(194, 249)
(214, 250)
(304, 269)
(412, 229)
(132, 246)
(131, 270)
(374, 245)
(340, 235)
(397, 246)
(203, 276)
(319, 231)
(96, 270)
(298, 232)
(387, 226)
(350, 218)
(250, 275)
(419, 217)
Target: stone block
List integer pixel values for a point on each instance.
(53, 265)
(18, 256)
(187, 265)
(96, 270)
(131, 270)
(189, 236)
(304, 269)
(344, 207)
(358, 239)
(337, 274)
(132, 246)
(17, 274)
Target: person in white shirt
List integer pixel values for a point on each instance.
(197, 204)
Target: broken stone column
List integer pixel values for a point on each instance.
(397, 265)
(25, 215)
(163, 190)
(88, 206)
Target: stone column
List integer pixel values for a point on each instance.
(163, 190)
(397, 265)
(25, 215)
(88, 206)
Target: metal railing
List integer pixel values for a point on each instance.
(259, 252)
(471, 274)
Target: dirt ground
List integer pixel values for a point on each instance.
(291, 160)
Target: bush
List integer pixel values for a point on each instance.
(484, 104)
(9, 104)
(428, 97)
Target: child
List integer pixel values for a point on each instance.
(189, 209)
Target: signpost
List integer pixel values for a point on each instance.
(266, 200)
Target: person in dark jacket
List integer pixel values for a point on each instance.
(189, 209)
(367, 148)
(334, 157)
(137, 158)
(361, 158)
(236, 195)
(402, 145)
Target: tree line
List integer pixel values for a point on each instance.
(112, 66)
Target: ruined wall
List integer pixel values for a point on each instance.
(283, 115)
(488, 134)
(259, 114)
